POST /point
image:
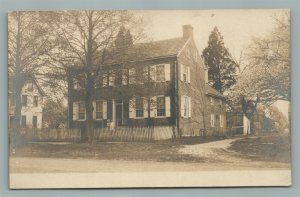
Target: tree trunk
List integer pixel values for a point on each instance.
(18, 84)
(246, 125)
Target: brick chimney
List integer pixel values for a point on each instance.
(187, 31)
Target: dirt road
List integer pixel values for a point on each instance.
(222, 168)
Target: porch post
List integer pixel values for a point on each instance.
(114, 112)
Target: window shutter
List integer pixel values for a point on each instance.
(167, 72)
(132, 108)
(182, 106)
(221, 120)
(168, 106)
(212, 120)
(145, 102)
(181, 71)
(153, 108)
(188, 74)
(94, 110)
(190, 107)
(153, 73)
(75, 111)
(104, 103)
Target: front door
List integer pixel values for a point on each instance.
(119, 112)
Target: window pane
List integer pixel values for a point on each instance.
(161, 111)
(139, 107)
(81, 110)
(99, 109)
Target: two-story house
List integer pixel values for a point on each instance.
(159, 83)
(31, 101)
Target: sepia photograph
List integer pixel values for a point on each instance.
(149, 98)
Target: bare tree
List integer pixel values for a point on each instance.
(86, 40)
(28, 42)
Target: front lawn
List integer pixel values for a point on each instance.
(270, 147)
(156, 151)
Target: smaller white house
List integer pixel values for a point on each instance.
(32, 104)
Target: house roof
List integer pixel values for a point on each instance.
(147, 51)
(212, 92)
(11, 85)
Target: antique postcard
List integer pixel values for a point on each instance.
(149, 98)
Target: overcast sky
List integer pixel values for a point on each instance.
(237, 26)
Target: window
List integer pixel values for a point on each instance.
(161, 106)
(160, 72)
(35, 101)
(212, 120)
(131, 74)
(111, 78)
(99, 81)
(99, 109)
(23, 121)
(185, 73)
(141, 74)
(24, 100)
(104, 79)
(78, 84)
(119, 77)
(124, 76)
(186, 106)
(81, 111)
(34, 122)
(139, 107)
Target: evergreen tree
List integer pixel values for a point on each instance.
(124, 38)
(128, 38)
(120, 39)
(222, 68)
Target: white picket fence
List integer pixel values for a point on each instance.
(120, 134)
(70, 135)
(135, 134)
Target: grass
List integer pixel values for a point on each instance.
(271, 147)
(157, 151)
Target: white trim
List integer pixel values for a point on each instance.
(180, 51)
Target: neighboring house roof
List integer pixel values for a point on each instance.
(212, 92)
(147, 51)
(11, 85)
